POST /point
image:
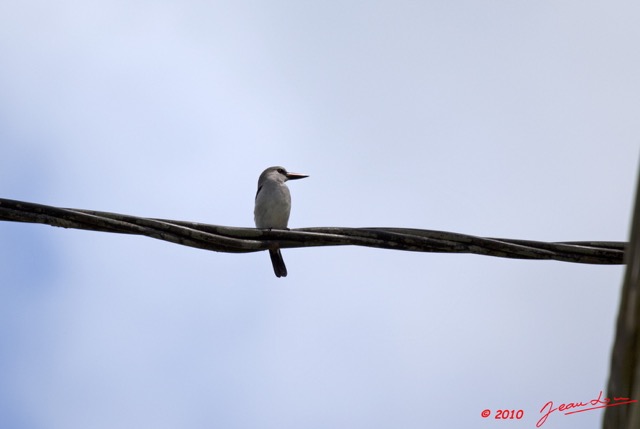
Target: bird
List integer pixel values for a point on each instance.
(273, 206)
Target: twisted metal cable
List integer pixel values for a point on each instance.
(242, 240)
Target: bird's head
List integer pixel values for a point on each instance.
(279, 174)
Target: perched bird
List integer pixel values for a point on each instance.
(273, 206)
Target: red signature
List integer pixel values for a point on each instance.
(571, 407)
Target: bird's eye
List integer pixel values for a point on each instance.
(281, 171)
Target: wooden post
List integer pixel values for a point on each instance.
(624, 377)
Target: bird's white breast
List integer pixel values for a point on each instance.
(273, 206)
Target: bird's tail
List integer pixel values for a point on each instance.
(278, 263)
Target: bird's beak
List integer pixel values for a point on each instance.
(295, 176)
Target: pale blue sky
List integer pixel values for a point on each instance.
(504, 119)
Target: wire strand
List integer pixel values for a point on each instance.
(242, 240)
